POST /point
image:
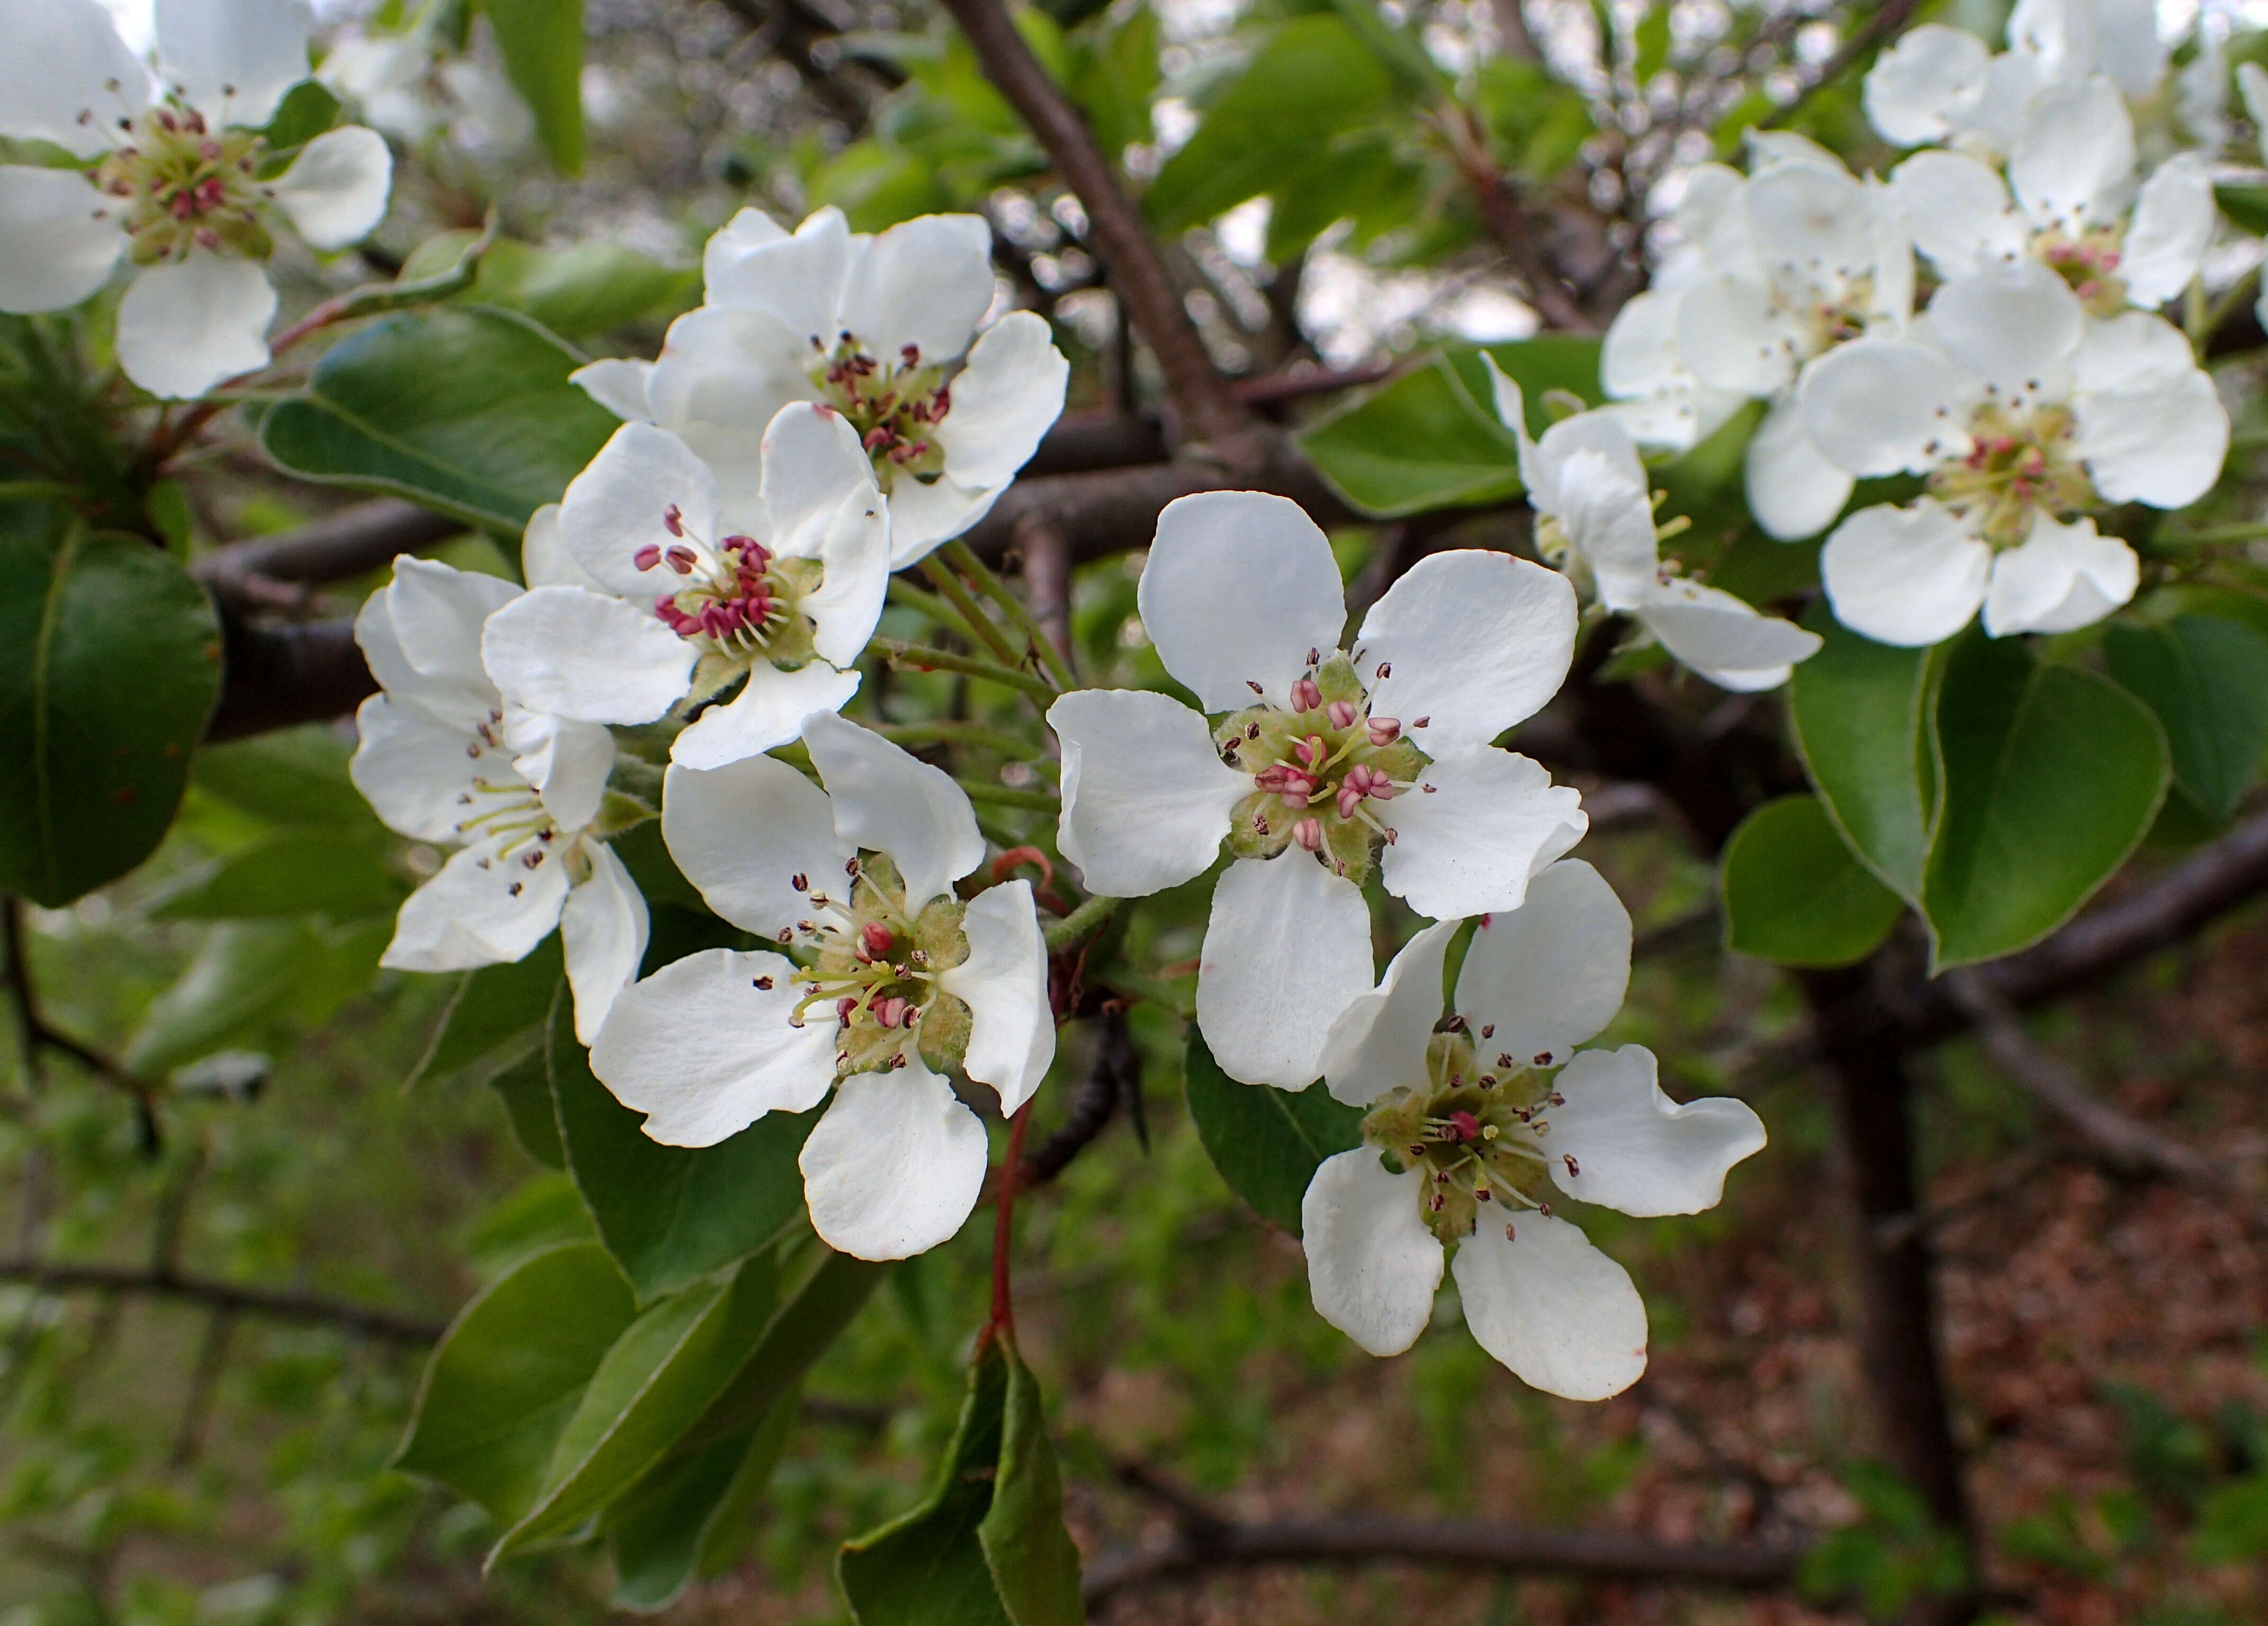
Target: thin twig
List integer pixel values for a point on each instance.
(1116, 1076)
(35, 1035)
(1040, 650)
(981, 627)
(370, 1321)
(926, 657)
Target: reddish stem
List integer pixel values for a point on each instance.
(1004, 1309)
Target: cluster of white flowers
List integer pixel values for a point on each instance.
(2035, 386)
(169, 170)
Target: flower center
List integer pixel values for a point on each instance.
(2088, 260)
(184, 185)
(1476, 1131)
(1322, 772)
(738, 601)
(877, 967)
(508, 812)
(895, 405)
(2020, 459)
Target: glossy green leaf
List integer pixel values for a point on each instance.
(465, 409)
(511, 1371)
(657, 1381)
(497, 1015)
(577, 292)
(1034, 1562)
(826, 1291)
(2206, 678)
(243, 971)
(2052, 775)
(1265, 1142)
(1795, 895)
(1117, 79)
(1864, 724)
(1312, 79)
(541, 44)
(523, 1089)
(293, 777)
(688, 1518)
(293, 872)
(671, 1214)
(109, 666)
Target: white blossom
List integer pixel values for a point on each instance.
(1474, 1125)
(882, 978)
(883, 328)
(447, 756)
(654, 584)
(407, 86)
(2024, 415)
(172, 183)
(1313, 758)
(1588, 488)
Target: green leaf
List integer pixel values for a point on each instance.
(1117, 79)
(465, 409)
(2052, 775)
(577, 292)
(1864, 725)
(2206, 678)
(524, 1086)
(541, 44)
(497, 1015)
(2231, 1524)
(1362, 176)
(986, 1547)
(1563, 362)
(293, 872)
(1651, 43)
(242, 971)
(688, 1518)
(671, 1214)
(109, 666)
(308, 109)
(824, 1299)
(295, 775)
(1265, 1142)
(1312, 79)
(510, 1372)
(661, 1375)
(1793, 893)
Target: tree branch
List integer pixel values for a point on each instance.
(281, 673)
(365, 537)
(1208, 409)
(370, 1321)
(1116, 1076)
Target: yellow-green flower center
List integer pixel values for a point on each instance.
(2021, 461)
(895, 404)
(182, 185)
(1477, 1132)
(875, 966)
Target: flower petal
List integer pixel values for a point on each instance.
(2073, 160)
(543, 558)
(797, 281)
(1872, 405)
(1478, 824)
(741, 833)
(484, 908)
(925, 282)
(1812, 222)
(1552, 972)
(1004, 982)
(1621, 1142)
(768, 711)
(436, 613)
(1239, 585)
(618, 383)
(567, 763)
(1609, 520)
(724, 374)
(1562, 1316)
(61, 57)
(184, 327)
(585, 655)
(924, 514)
(1726, 639)
(890, 802)
(1003, 400)
(2174, 219)
(2132, 351)
(1286, 949)
(1923, 85)
(1904, 575)
(2014, 323)
(57, 239)
(1146, 799)
(411, 767)
(1378, 1043)
(855, 550)
(602, 929)
(2061, 578)
(1794, 490)
(1373, 1267)
(2160, 443)
(337, 188)
(1962, 216)
(1734, 336)
(1475, 641)
(747, 229)
(616, 506)
(232, 60)
(704, 1047)
(895, 1166)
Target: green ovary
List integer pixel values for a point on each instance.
(1477, 1133)
(2021, 462)
(895, 404)
(874, 968)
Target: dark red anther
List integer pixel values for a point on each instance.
(672, 520)
(682, 560)
(646, 557)
(1467, 1127)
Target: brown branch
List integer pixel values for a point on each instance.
(365, 537)
(1114, 1079)
(1209, 411)
(1514, 229)
(277, 675)
(314, 1309)
(35, 1035)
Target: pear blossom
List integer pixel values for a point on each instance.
(884, 329)
(1478, 1121)
(1314, 759)
(2069, 200)
(448, 756)
(882, 979)
(407, 86)
(1587, 486)
(2024, 415)
(1642, 367)
(173, 177)
(658, 585)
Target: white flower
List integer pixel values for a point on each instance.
(1475, 1124)
(878, 328)
(2067, 203)
(446, 757)
(174, 182)
(2021, 412)
(1585, 483)
(1320, 756)
(1938, 85)
(894, 977)
(403, 84)
(653, 584)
